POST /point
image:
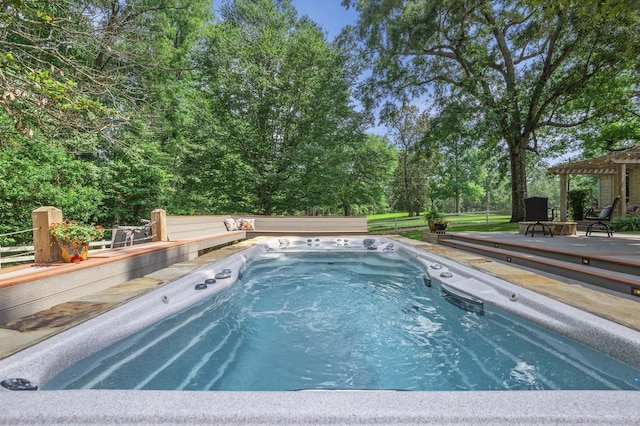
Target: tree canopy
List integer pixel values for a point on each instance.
(111, 108)
(528, 68)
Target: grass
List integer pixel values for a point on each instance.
(414, 227)
(398, 222)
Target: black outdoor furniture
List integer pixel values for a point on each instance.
(537, 209)
(603, 218)
(124, 236)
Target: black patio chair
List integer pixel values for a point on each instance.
(603, 219)
(537, 209)
(124, 236)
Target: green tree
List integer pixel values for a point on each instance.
(99, 82)
(278, 108)
(34, 173)
(409, 186)
(529, 65)
(461, 155)
(69, 66)
(363, 172)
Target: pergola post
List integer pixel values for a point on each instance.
(563, 197)
(622, 186)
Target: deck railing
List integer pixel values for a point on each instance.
(26, 254)
(163, 228)
(19, 253)
(45, 248)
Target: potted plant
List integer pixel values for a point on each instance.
(436, 220)
(74, 238)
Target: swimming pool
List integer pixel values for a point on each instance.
(41, 363)
(325, 319)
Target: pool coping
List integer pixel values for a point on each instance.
(322, 407)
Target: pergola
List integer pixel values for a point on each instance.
(617, 164)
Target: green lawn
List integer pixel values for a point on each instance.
(413, 227)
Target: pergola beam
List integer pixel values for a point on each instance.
(613, 164)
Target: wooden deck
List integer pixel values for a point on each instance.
(609, 263)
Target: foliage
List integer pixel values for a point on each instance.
(75, 232)
(132, 184)
(626, 223)
(462, 169)
(34, 173)
(278, 133)
(434, 216)
(541, 183)
(361, 174)
(109, 109)
(408, 188)
(527, 69)
(577, 201)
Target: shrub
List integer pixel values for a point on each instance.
(577, 200)
(626, 224)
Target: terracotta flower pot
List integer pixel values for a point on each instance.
(74, 252)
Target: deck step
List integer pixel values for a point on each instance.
(600, 261)
(553, 262)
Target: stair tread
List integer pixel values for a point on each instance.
(627, 278)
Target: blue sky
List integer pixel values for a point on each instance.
(328, 14)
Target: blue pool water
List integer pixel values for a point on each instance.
(337, 321)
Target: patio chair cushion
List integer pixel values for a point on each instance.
(604, 214)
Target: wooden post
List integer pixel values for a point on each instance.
(622, 184)
(159, 227)
(45, 246)
(563, 197)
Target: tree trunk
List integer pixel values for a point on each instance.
(518, 181)
(347, 209)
